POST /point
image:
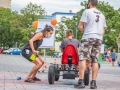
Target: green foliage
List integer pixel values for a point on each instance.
(15, 27)
(113, 23)
(30, 13)
(112, 19)
(4, 27)
(60, 32)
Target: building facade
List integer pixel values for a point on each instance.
(59, 16)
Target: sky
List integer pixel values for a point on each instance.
(52, 6)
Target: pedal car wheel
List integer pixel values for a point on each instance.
(51, 74)
(57, 72)
(86, 76)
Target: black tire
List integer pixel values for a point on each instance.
(86, 76)
(57, 72)
(99, 65)
(51, 74)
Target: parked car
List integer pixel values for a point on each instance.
(7, 51)
(57, 55)
(16, 51)
(12, 51)
(1, 50)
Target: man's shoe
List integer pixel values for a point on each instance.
(93, 84)
(80, 84)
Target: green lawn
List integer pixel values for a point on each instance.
(101, 61)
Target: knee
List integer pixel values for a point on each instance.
(95, 66)
(42, 62)
(39, 65)
(82, 65)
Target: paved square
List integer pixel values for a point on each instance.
(14, 66)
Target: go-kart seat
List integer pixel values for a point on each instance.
(70, 55)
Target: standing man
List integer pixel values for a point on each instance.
(92, 24)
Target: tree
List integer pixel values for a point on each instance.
(10, 28)
(31, 13)
(112, 19)
(60, 32)
(4, 26)
(113, 23)
(15, 27)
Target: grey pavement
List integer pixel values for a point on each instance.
(14, 66)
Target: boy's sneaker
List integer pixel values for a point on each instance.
(80, 84)
(93, 84)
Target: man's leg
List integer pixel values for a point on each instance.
(89, 64)
(84, 55)
(94, 70)
(82, 66)
(94, 56)
(77, 67)
(63, 67)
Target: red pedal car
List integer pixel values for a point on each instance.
(69, 59)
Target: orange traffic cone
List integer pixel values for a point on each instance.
(44, 67)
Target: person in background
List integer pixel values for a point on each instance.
(105, 54)
(108, 55)
(113, 55)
